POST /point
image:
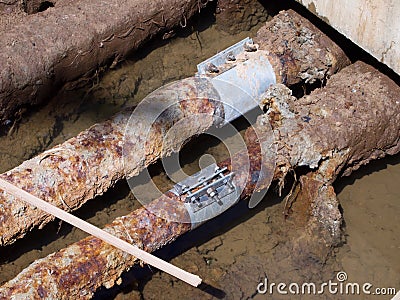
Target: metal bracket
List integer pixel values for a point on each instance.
(208, 193)
(239, 74)
(221, 58)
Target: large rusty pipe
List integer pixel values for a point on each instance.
(85, 166)
(78, 270)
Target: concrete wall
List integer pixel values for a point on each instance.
(374, 25)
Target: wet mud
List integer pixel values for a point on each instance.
(234, 254)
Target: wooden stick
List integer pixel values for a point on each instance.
(148, 258)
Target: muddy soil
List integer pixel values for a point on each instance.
(234, 252)
(371, 204)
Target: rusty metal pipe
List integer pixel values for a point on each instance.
(85, 166)
(78, 270)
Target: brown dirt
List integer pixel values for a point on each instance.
(370, 201)
(237, 16)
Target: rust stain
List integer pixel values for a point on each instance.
(72, 173)
(93, 262)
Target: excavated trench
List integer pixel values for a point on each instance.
(232, 252)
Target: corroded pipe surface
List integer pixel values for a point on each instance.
(354, 119)
(83, 167)
(333, 131)
(81, 268)
(299, 51)
(78, 270)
